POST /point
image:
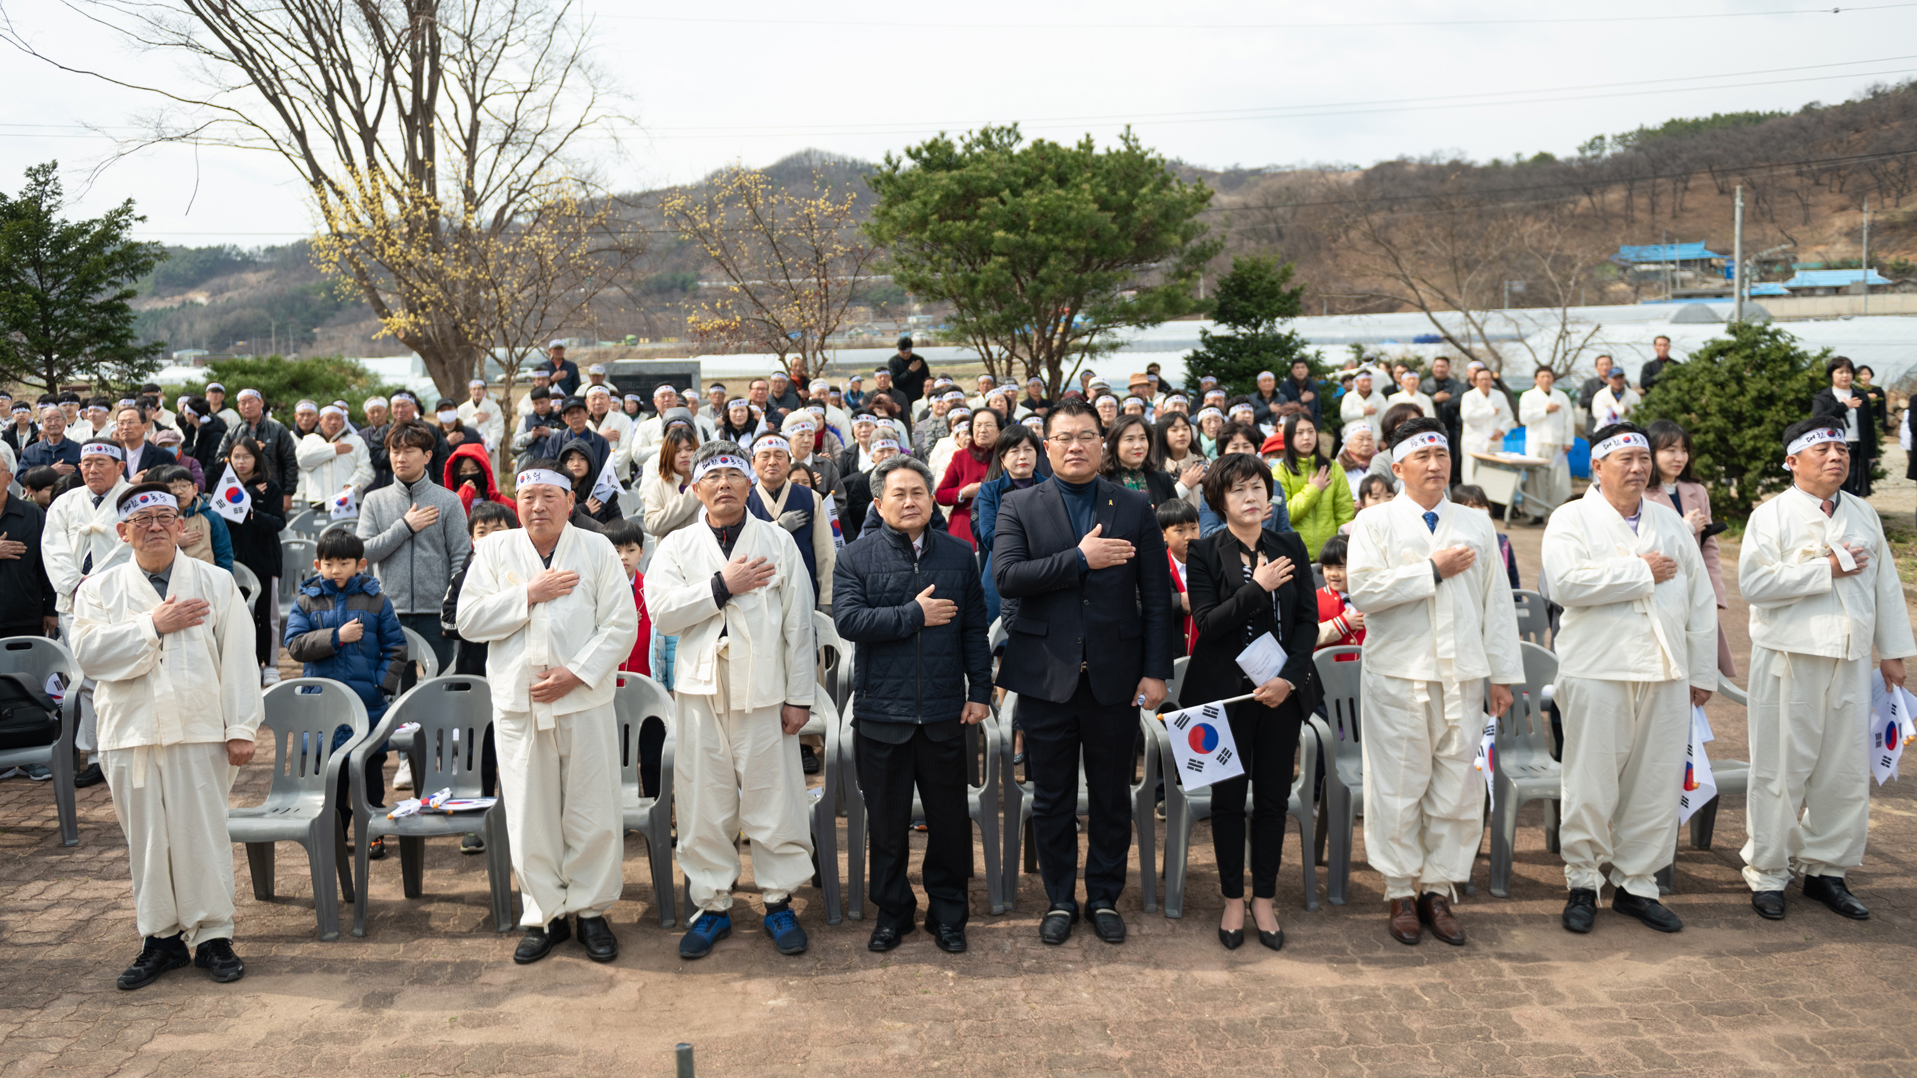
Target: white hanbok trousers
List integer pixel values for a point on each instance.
(1424, 810)
(1809, 799)
(734, 772)
(171, 804)
(563, 817)
(1624, 747)
(1550, 485)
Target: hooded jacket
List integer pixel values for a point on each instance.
(582, 486)
(467, 494)
(373, 664)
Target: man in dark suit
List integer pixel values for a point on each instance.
(130, 429)
(1647, 377)
(1090, 646)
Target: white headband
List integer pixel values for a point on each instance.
(1204, 413)
(1813, 437)
(147, 499)
(1419, 441)
(862, 417)
(532, 477)
(771, 441)
(332, 409)
(662, 388)
(738, 402)
(101, 449)
(187, 409)
(1616, 442)
(635, 398)
(306, 406)
(881, 443)
(374, 402)
(796, 423)
(723, 460)
(590, 390)
(253, 393)
(1243, 407)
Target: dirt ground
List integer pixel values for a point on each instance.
(431, 989)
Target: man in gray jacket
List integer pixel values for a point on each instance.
(415, 536)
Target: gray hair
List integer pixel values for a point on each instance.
(717, 447)
(883, 470)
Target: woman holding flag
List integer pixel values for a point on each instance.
(249, 498)
(1247, 583)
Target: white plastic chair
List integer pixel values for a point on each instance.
(453, 714)
(303, 803)
(1341, 673)
(637, 700)
(40, 658)
(420, 651)
(1523, 769)
(1534, 617)
(248, 582)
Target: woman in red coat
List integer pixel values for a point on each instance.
(966, 473)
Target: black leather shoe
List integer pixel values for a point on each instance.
(885, 937)
(948, 938)
(809, 760)
(1108, 924)
(1232, 939)
(595, 935)
(216, 957)
(1768, 904)
(1653, 913)
(539, 942)
(1273, 940)
(1580, 910)
(1832, 892)
(1056, 926)
(88, 776)
(156, 957)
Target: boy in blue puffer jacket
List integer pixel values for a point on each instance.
(342, 627)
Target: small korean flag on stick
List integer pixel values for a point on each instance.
(1202, 748)
(1890, 727)
(607, 487)
(230, 499)
(1487, 760)
(345, 506)
(1700, 785)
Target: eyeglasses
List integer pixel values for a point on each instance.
(729, 478)
(144, 521)
(1086, 438)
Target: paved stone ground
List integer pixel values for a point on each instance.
(431, 991)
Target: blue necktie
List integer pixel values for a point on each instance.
(1431, 521)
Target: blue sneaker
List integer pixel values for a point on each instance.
(707, 929)
(783, 926)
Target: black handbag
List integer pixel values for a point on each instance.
(28, 717)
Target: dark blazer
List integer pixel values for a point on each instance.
(1117, 621)
(1160, 485)
(1222, 602)
(150, 456)
(907, 672)
(1825, 405)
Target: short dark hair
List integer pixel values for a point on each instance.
(490, 512)
(1375, 480)
(1398, 414)
(1666, 432)
(39, 477)
(1409, 428)
(1109, 466)
(1839, 363)
(410, 432)
(1470, 494)
(169, 473)
(1333, 552)
(1245, 430)
(1543, 368)
(1010, 438)
(1626, 428)
(1175, 511)
(624, 532)
(1227, 472)
(339, 543)
(541, 464)
(1067, 407)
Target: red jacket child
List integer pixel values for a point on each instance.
(1334, 621)
(1178, 586)
(639, 662)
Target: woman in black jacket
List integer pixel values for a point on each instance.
(1849, 408)
(1128, 450)
(256, 540)
(577, 460)
(1245, 581)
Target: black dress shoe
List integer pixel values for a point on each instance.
(1232, 938)
(1768, 904)
(1108, 924)
(88, 776)
(1056, 926)
(539, 942)
(1832, 892)
(809, 760)
(1580, 910)
(1653, 913)
(885, 937)
(948, 938)
(596, 936)
(1273, 940)
(156, 957)
(216, 957)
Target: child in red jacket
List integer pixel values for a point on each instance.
(630, 541)
(1338, 621)
(1179, 521)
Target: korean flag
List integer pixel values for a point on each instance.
(1202, 749)
(607, 487)
(1890, 728)
(230, 498)
(345, 505)
(1700, 785)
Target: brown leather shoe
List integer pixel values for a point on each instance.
(1404, 923)
(1435, 910)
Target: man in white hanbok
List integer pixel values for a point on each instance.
(79, 539)
(734, 590)
(1439, 620)
(1364, 404)
(1547, 416)
(555, 606)
(1486, 414)
(332, 459)
(483, 414)
(1817, 571)
(168, 641)
(1637, 648)
(1409, 393)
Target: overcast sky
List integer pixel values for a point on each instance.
(1214, 83)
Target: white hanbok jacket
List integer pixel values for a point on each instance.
(590, 631)
(1351, 409)
(768, 631)
(74, 529)
(1422, 400)
(1618, 625)
(1546, 433)
(1797, 605)
(1608, 407)
(493, 427)
(667, 508)
(616, 428)
(188, 687)
(324, 471)
(1487, 419)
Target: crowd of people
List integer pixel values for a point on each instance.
(1107, 536)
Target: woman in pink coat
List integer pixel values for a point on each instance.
(1671, 481)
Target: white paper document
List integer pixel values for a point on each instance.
(1202, 749)
(1262, 659)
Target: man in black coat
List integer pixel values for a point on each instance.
(26, 595)
(914, 606)
(1090, 646)
(909, 372)
(1647, 376)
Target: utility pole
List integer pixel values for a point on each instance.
(1737, 258)
(1865, 277)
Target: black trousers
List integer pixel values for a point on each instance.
(1057, 736)
(1267, 743)
(1858, 482)
(264, 606)
(888, 773)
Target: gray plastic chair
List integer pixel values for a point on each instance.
(305, 524)
(453, 714)
(1534, 617)
(638, 700)
(1344, 789)
(296, 564)
(248, 581)
(981, 805)
(1732, 777)
(303, 803)
(1184, 809)
(1524, 770)
(421, 652)
(39, 659)
(348, 524)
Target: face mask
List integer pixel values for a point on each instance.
(447, 417)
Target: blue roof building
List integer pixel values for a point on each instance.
(1657, 254)
(1829, 282)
